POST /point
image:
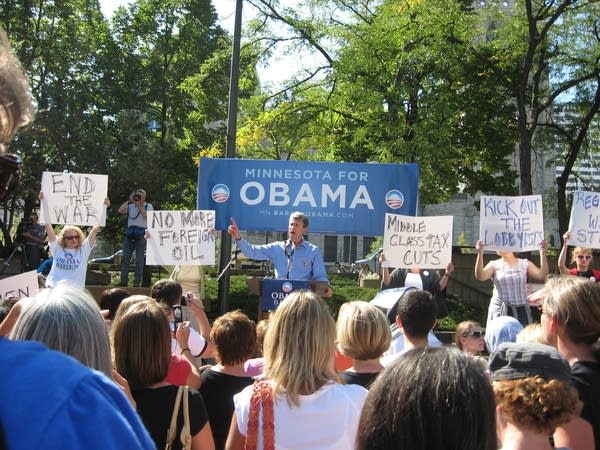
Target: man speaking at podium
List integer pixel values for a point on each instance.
(293, 259)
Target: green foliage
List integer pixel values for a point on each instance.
(345, 289)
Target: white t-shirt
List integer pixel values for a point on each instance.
(327, 419)
(397, 347)
(68, 264)
(196, 344)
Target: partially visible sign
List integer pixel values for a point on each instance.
(274, 291)
(584, 224)
(419, 242)
(340, 198)
(73, 198)
(20, 286)
(181, 238)
(511, 223)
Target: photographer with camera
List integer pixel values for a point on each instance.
(33, 235)
(136, 208)
(186, 309)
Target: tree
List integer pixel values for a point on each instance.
(546, 54)
(399, 84)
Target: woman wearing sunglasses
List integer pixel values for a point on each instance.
(582, 257)
(70, 252)
(470, 338)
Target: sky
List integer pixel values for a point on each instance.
(280, 67)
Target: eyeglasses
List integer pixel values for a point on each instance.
(71, 238)
(584, 256)
(476, 334)
(10, 174)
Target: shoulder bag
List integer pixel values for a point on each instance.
(186, 437)
(262, 397)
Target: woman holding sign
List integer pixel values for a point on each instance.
(582, 257)
(70, 251)
(509, 275)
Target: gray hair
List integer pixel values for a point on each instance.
(67, 318)
(300, 216)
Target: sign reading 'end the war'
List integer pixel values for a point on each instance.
(584, 225)
(511, 223)
(73, 198)
(181, 238)
(419, 242)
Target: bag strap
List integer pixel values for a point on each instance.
(262, 396)
(173, 425)
(186, 434)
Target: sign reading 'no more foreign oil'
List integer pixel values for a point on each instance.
(181, 238)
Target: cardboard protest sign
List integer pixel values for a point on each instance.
(511, 223)
(181, 238)
(21, 286)
(420, 242)
(584, 224)
(73, 198)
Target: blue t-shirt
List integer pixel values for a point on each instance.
(51, 401)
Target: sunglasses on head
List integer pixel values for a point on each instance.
(10, 174)
(476, 334)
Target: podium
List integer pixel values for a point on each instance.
(272, 291)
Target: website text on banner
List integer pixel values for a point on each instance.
(181, 238)
(340, 198)
(584, 224)
(513, 224)
(419, 242)
(73, 198)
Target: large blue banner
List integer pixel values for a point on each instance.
(338, 198)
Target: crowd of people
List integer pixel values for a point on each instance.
(135, 377)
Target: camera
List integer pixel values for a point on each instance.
(177, 314)
(183, 301)
(137, 197)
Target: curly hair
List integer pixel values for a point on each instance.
(537, 404)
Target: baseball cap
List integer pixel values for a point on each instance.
(512, 361)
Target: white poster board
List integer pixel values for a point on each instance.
(513, 224)
(584, 224)
(181, 238)
(73, 198)
(21, 286)
(420, 242)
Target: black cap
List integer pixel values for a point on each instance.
(512, 361)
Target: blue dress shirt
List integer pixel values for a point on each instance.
(302, 262)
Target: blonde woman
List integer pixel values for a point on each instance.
(470, 338)
(70, 252)
(571, 323)
(581, 257)
(363, 334)
(310, 409)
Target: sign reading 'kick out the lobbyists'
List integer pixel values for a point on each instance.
(181, 238)
(584, 224)
(417, 241)
(341, 198)
(511, 223)
(73, 198)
